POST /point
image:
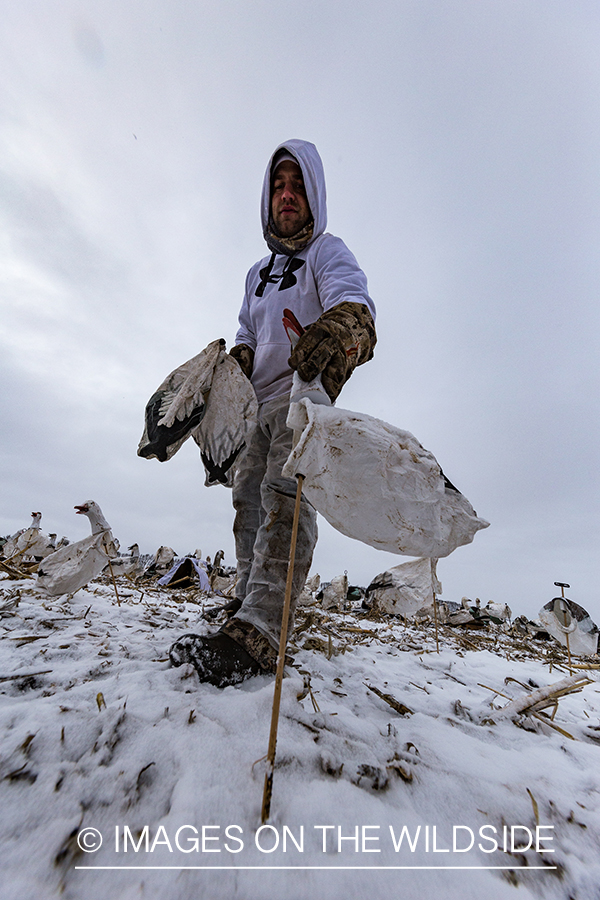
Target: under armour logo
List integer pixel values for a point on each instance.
(287, 277)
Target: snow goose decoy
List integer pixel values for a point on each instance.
(73, 566)
(22, 539)
(178, 406)
(161, 562)
(567, 621)
(42, 546)
(128, 564)
(91, 509)
(33, 543)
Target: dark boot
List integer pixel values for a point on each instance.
(222, 659)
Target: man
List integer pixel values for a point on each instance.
(314, 275)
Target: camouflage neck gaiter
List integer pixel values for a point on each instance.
(288, 246)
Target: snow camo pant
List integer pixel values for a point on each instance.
(264, 503)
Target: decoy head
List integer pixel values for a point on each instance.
(91, 509)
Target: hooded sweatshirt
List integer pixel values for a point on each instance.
(308, 281)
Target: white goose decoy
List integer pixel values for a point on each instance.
(161, 562)
(566, 620)
(10, 545)
(178, 406)
(33, 543)
(22, 539)
(91, 509)
(497, 611)
(73, 566)
(42, 546)
(130, 564)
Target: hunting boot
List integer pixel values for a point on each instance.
(236, 652)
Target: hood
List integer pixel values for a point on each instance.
(314, 181)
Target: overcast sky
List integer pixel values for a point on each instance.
(461, 144)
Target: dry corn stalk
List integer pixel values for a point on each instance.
(391, 701)
(13, 571)
(541, 698)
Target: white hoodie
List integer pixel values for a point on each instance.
(312, 280)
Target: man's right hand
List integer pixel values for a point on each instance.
(340, 339)
(244, 356)
(318, 349)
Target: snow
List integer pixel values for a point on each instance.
(108, 736)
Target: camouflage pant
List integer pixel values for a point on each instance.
(264, 503)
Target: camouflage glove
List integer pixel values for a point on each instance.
(244, 356)
(339, 341)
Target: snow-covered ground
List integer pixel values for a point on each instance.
(98, 732)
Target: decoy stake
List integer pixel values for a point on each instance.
(112, 575)
(435, 611)
(268, 787)
(563, 615)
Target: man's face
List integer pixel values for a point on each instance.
(289, 206)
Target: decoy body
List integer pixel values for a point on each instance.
(72, 567)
